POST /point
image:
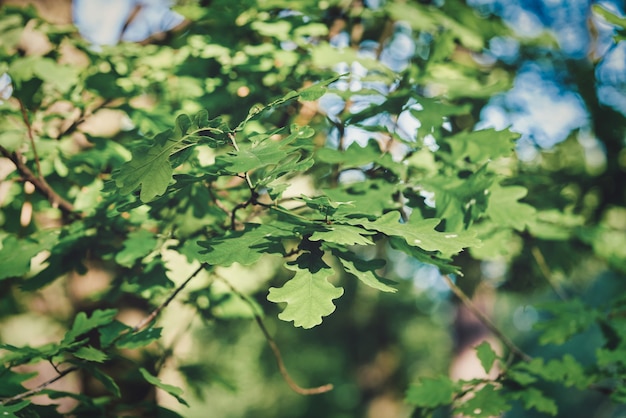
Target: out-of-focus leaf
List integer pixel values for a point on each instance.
(16, 254)
(505, 209)
(137, 245)
(90, 354)
(175, 391)
(486, 402)
(486, 355)
(431, 392)
(83, 323)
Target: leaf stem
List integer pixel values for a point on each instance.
(275, 350)
(485, 320)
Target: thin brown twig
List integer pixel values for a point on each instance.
(82, 118)
(547, 274)
(275, 350)
(485, 320)
(39, 182)
(39, 388)
(31, 137)
(146, 321)
(142, 324)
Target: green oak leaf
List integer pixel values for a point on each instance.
(444, 265)
(83, 323)
(486, 402)
(323, 204)
(138, 339)
(150, 166)
(308, 295)
(353, 156)
(486, 355)
(90, 354)
(431, 392)
(175, 391)
(16, 253)
(482, 146)
(106, 380)
(434, 113)
(111, 332)
(343, 235)
(420, 233)
(504, 208)
(265, 152)
(317, 90)
(372, 197)
(534, 398)
(460, 201)
(244, 247)
(8, 411)
(137, 245)
(365, 270)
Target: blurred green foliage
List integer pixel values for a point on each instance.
(281, 160)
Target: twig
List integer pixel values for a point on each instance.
(485, 320)
(82, 118)
(276, 351)
(217, 202)
(547, 274)
(39, 182)
(39, 388)
(238, 206)
(31, 137)
(144, 322)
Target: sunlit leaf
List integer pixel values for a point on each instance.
(365, 270)
(308, 295)
(420, 233)
(244, 247)
(343, 234)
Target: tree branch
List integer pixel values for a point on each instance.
(142, 324)
(276, 351)
(485, 320)
(39, 388)
(39, 182)
(146, 321)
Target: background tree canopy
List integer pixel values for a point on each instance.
(313, 208)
